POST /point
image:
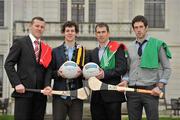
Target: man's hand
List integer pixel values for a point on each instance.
(156, 91)
(20, 88)
(101, 74)
(123, 83)
(79, 72)
(59, 73)
(47, 91)
(160, 85)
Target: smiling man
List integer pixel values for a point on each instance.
(64, 106)
(26, 54)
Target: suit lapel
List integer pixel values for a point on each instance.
(96, 56)
(62, 55)
(40, 49)
(30, 47)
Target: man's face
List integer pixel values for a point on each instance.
(37, 28)
(101, 34)
(140, 30)
(70, 34)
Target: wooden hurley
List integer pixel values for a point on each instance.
(81, 93)
(95, 84)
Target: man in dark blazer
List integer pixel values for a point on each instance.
(69, 50)
(28, 74)
(106, 105)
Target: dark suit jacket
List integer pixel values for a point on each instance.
(58, 58)
(28, 71)
(112, 76)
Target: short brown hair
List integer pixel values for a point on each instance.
(102, 24)
(37, 18)
(140, 18)
(70, 24)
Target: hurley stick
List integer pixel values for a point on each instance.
(81, 93)
(96, 85)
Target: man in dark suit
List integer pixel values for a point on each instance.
(69, 50)
(110, 56)
(25, 53)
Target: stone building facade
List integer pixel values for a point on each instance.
(162, 15)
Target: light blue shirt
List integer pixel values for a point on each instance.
(69, 51)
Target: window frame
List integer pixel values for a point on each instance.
(77, 8)
(1, 12)
(156, 18)
(1, 74)
(63, 10)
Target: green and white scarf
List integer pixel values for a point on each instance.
(108, 58)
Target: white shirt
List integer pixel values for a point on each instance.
(33, 39)
(102, 50)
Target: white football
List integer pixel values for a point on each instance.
(69, 69)
(91, 69)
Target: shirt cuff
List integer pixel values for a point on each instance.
(125, 77)
(163, 81)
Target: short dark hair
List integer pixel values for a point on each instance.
(140, 18)
(102, 24)
(37, 18)
(70, 24)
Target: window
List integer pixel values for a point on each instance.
(155, 13)
(63, 10)
(78, 10)
(1, 74)
(1, 12)
(92, 10)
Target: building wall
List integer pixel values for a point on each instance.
(49, 9)
(5, 42)
(111, 11)
(171, 35)
(173, 85)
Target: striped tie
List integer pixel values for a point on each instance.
(36, 49)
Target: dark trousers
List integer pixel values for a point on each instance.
(106, 110)
(32, 108)
(72, 108)
(137, 101)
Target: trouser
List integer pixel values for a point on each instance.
(106, 110)
(32, 108)
(71, 108)
(137, 101)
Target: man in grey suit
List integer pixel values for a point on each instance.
(25, 53)
(148, 57)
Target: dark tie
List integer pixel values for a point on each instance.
(140, 47)
(36, 49)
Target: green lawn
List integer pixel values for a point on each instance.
(10, 117)
(6, 117)
(162, 118)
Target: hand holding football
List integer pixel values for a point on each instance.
(91, 69)
(69, 69)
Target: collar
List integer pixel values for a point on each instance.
(107, 42)
(67, 47)
(146, 38)
(33, 38)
